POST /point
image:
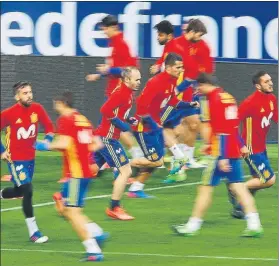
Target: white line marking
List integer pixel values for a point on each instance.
(108, 195)
(144, 254)
(101, 196)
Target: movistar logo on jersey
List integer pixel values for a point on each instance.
(266, 120)
(22, 133)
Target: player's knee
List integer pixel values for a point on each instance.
(271, 181)
(193, 126)
(71, 212)
(27, 190)
(126, 170)
(159, 163)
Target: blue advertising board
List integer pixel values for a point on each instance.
(237, 31)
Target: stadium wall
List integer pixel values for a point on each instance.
(52, 74)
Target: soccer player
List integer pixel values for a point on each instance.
(114, 112)
(255, 114)
(219, 112)
(171, 116)
(165, 36)
(74, 139)
(158, 92)
(199, 52)
(120, 58)
(22, 123)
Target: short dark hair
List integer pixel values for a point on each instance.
(127, 71)
(205, 78)
(109, 20)
(19, 85)
(257, 77)
(172, 58)
(66, 97)
(196, 25)
(164, 27)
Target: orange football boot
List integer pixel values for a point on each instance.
(119, 213)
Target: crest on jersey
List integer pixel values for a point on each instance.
(262, 110)
(34, 118)
(266, 173)
(122, 159)
(271, 105)
(22, 176)
(154, 156)
(193, 51)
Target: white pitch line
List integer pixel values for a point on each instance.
(144, 254)
(109, 195)
(101, 196)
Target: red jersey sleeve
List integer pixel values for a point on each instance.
(145, 99)
(4, 119)
(161, 60)
(45, 120)
(275, 116)
(114, 101)
(244, 109)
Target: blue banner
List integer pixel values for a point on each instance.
(237, 31)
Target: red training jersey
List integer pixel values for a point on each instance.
(76, 158)
(118, 105)
(256, 113)
(190, 66)
(219, 108)
(22, 124)
(199, 52)
(158, 92)
(120, 57)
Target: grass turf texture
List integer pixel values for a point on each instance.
(148, 240)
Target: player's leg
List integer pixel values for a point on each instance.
(210, 178)
(262, 173)
(152, 145)
(128, 140)
(262, 177)
(191, 126)
(22, 173)
(170, 119)
(114, 154)
(236, 180)
(74, 191)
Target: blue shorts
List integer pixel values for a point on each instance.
(113, 153)
(211, 176)
(259, 165)
(22, 172)
(74, 191)
(152, 144)
(171, 117)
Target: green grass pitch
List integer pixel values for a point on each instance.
(148, 239)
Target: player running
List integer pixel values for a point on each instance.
(255, 114)
(74, 138)
(171, 117)
(158, 92)
(199, 52)
(120, 58)
(21, 122)
(220, 114)
(114, 112)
